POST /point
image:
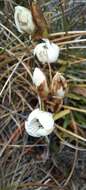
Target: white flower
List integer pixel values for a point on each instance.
(46, 52)
(39, 123)
(59, 85)
(23, 20)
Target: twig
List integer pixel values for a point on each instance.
(74, 109)
(75, 158)
(83, 32)
(72, 42)
(73, 47)
(12, 34)
(17, 131)
(23, 146)
(64, 142)
(70, 133)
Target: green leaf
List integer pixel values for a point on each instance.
(61, 114)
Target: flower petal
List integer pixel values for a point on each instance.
(53, 53)
(60, 92)
(33, 115)
(38, 77)
(40, 52)
(32, 129)
(46, 120)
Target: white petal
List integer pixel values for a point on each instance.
(53, 53)
(38, 77)
(46, 120)
(33, 115)
(60, 92)
(43, 132)
(31, 125)
(32, 129)
(39, 123)
(16, 14)
(41, 53)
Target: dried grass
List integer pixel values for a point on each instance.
(25, 162)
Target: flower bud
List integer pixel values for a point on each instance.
(59, 85)
(23, 20)
(40, 82)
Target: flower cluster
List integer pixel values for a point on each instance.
(41, 123)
